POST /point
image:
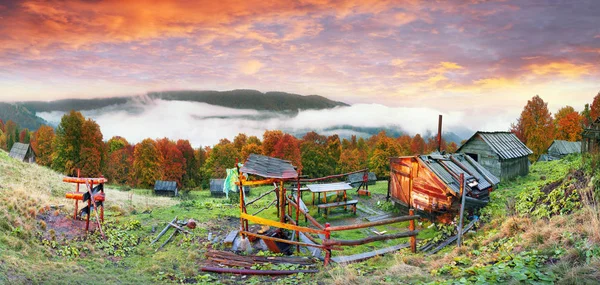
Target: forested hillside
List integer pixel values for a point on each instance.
(241, 99)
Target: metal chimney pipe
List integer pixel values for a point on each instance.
(439, 136)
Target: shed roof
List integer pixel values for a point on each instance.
(564, 147)
(449, 167)
(505, 144)
(269, 167)
(19, 151)
(165, 185)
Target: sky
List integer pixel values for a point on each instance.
(483, 59)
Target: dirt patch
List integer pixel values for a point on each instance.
(64, 227)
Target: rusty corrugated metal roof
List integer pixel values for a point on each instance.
(269, 167)
(449, 167)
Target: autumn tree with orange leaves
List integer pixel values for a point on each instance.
(535, 126)
(595, 108)
(173, 164)
(270, 139)
(42, 145)
(147, 161)
(190, 178)
(119, 168)
(568, 124)
(418, 145)
(288, 148)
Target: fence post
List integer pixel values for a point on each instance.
(328, 247)
(77, 201)
(411, 226)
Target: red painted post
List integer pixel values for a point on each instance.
(411, 227)
(298, 211)
(328, 249)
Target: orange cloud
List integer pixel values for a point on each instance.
(251, 67)
(74, 24)
(566, 69)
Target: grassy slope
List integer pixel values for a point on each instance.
(511, 248)
(26, 190)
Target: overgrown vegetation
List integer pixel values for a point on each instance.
(516, 243)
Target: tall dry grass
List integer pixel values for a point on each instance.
(591, 210)
(47, 188)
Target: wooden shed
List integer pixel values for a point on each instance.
(168, 188)
(22, 152)
(559, 149)
(216, 188)
(430, 183)
(590, 138)
(501, 153)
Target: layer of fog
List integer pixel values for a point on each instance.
(205, 124)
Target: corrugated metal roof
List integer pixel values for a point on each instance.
(165, 185)
(505, 144)
(269, 167)
(19, 151)
(449, 167)
(564, 147)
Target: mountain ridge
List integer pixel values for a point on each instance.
(238, 99)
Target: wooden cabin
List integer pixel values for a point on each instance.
(559, 149)
(22, 152)
(590, 138)
(167, 188)
(501, 153)
(430, 183)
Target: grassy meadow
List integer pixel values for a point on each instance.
(529, 233)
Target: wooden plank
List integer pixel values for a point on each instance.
(373, 224)
(379, 217)
(367, 255)
(338, 186)
(369, 239)
(231, 238)
(337, 204)
(451, 239)
(281, 240)
(316, 252)
(302, 205)
(272, 223)
(256, 182)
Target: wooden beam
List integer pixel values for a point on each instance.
(369, 239)
(256, 182)
(309, 217)
(373, 224)
(276, 224)
(283, 240)
(259, 197)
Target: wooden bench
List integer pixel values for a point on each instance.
(351, 203)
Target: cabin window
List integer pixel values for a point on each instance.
(474, 156)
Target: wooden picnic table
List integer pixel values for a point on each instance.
(329, 187)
